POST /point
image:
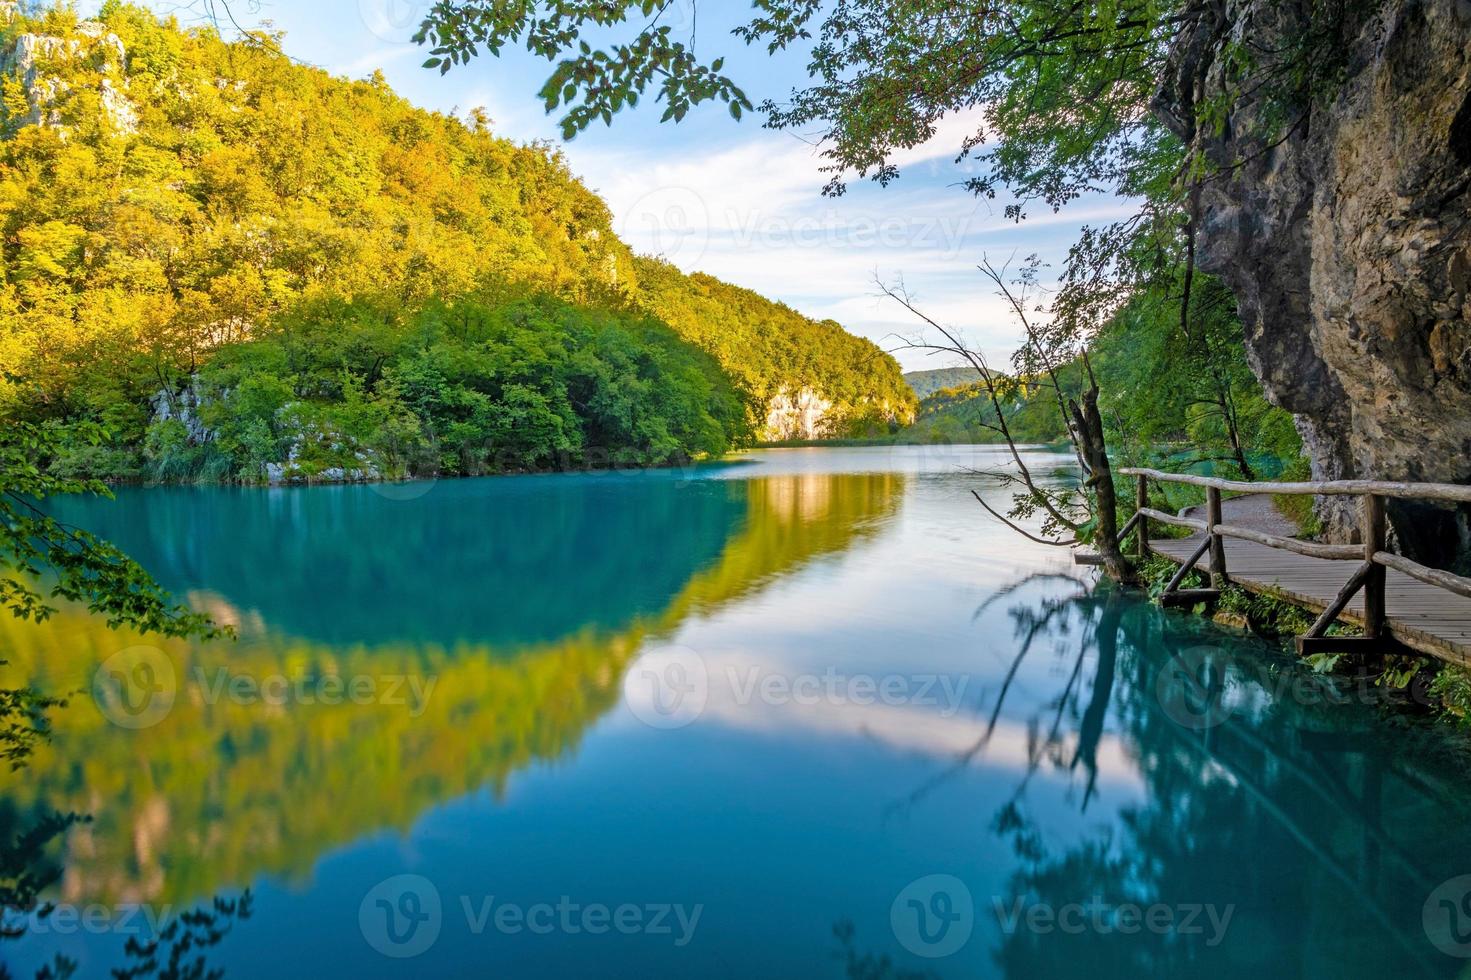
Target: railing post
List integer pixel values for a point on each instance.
(1141, 501)
(1373, 531)
(1218, 544)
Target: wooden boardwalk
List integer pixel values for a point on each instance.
(1420, 616)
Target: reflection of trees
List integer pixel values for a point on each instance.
(509, 562)
(1323, 828)
(28, 870)
(218, 794)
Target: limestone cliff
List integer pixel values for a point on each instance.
(102, 52)
(1345, 232)
(804, 414)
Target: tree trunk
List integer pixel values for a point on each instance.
(1088, 424)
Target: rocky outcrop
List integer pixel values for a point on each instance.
(804, 414)
(1344, 229)
(30, 55)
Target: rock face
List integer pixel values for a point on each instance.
(800, 415)
(1348, 242)
(30, 54)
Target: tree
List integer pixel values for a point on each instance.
(1069, 517)
(1066, 94)
(43, 559)
(75, 565)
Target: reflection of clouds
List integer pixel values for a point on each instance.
(924, 729)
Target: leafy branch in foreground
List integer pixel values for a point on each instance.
(1075, 515)
(36, 548)
(593, 83)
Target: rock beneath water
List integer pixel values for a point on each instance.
(1347, 241)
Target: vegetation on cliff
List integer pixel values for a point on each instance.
(1159, 104)
(329, 280)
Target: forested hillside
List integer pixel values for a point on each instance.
(243, 267)
(927, 383)
(812, 377)
(1164, 395)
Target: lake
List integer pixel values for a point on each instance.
(804, 713)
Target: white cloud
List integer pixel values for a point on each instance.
(751, 213)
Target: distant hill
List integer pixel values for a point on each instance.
(926, 383)
(244, 266)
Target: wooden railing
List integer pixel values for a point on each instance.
(1372, 554)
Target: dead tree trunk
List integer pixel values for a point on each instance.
(1087, 424)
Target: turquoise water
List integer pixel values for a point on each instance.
(810, 713)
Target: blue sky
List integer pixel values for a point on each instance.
(729, 198)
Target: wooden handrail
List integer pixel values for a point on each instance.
(1430, 576)
(1164, 518)
(1333, 552)
(1452, 492)
(1374, 559)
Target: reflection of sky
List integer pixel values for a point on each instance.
(780, 819)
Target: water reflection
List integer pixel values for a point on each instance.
(260, 764)
(1044, 770)
(1289, 839)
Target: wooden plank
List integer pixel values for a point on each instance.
(1164, 518)
(1339, 603)
(1430, 576)
(1372, 530)
(1185, 567)
(1333, 552)
(1141, 504)
(1217, 543)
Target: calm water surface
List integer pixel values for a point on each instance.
(809, 714)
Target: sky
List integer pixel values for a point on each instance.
(733, 199)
